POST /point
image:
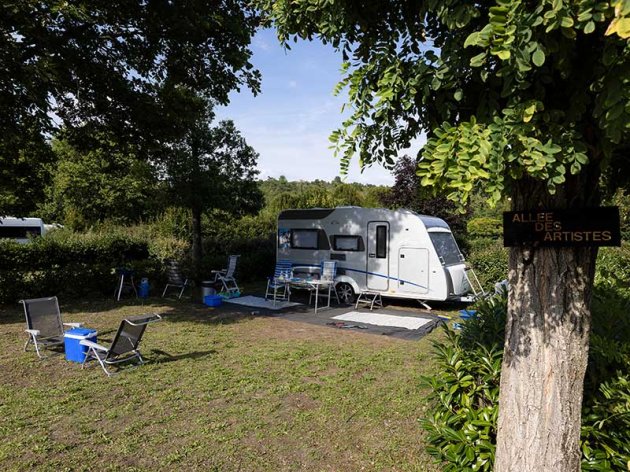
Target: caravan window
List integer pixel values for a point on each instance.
(381, 242)
(446, 248)
(304, 239)
(348, 243)
(19, 232)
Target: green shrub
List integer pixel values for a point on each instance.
(484, 227)
(606, 427)
(74, 264)
(480, 244)
(490, 264)
(613, 267)
(253, 237)
(462, 426)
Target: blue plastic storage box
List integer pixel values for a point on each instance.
(72, 339)
(213, 300)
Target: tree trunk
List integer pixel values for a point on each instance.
(546, 351)
(196, 251)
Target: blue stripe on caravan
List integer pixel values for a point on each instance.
(367, 273)
(385, 277)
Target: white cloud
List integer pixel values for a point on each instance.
(261, 44)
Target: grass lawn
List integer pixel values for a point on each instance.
(221, 391)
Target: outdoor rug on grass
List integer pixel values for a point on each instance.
(260, 302)
(408, 322)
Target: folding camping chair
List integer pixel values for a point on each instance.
(226, 276)
(279, 283)
(175, 278)
(43, 323)
(124, 347)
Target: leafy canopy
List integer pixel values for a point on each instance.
(139, 70)
(505, 90)
(105, 183)
(213, 167)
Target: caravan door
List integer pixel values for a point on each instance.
(378, 255)
(413, 270)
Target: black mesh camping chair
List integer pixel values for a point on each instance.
(175, 278)
(43, 323)
(124, 347)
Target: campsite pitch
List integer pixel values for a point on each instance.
(222, 390)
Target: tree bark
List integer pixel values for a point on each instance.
(546, 352)
(196, 251)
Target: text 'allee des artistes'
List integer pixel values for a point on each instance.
(544, 222)
(568, 227)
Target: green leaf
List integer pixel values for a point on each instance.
(504, 54)
(478, 60)
(472, 39)
(458, 95)
(590, 27)
(528, 113)
(538, 58)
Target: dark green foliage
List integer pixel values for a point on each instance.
(621, 199)
(137, 69)
(105, 183)
(73, 265)
(613, 267)
(281, 194)
(213, 167)
(606, 427)
(462, 425)
(408, 193)
(25, 162)
(253, 237)
(606, 407)
(488, 327)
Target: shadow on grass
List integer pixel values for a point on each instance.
(164, 357)
(11, 314)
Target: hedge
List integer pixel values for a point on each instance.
(484, 227)
(72, 266)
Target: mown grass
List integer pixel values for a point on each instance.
(221, 391)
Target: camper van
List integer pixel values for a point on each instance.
(21, 229)
(397, 253)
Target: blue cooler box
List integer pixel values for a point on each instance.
(213, 300)
(72, 339)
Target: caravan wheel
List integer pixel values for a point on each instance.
(345, 293)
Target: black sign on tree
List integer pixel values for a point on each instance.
(562, 228)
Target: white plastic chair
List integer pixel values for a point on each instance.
(226, 276)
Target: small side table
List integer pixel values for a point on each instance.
(125, 279)
(367, 297)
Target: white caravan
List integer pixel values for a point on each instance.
(21, 229)
(398, 254)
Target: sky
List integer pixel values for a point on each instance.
(290, 121)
